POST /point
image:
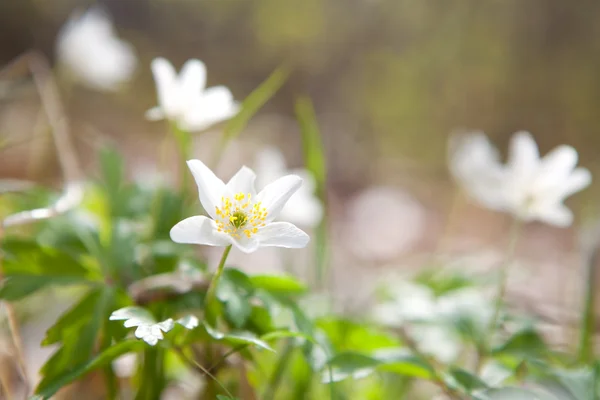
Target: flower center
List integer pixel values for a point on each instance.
(238, 215)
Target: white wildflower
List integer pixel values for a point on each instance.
(527, 186)
(185, 99)
(88, 47)
(238, 215)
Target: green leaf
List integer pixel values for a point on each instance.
(29, 267)
(402, 362)
(79, 339)
(234, 280)
(347, 335)
(526, 343)
(350, 365)
(284, 335)
(357, 365)
(442, 281)
(15, 287)
(459, 378)
(238, 310)
(48, 388)
(510, 393)
(237, 338)
(80, 311)
(581, 383)
(234, 290)
(278, 284)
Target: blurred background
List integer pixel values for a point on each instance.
(390, 80)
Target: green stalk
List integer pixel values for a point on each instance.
(513, 238)
(212, 288)
(588, 320)
(278, 371)
(184, 149)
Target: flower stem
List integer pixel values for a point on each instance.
(184, 147)
(212, 288)
(513, 238)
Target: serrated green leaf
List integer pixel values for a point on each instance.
(278, 284)
(48, 387)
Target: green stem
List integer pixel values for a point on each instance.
(278, 371)
(184, 147)
(588, 319)
(331, 383)
(212, 288)
(513, 238)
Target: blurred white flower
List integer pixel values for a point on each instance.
(430, 320)
(88, 47)
(185, 99)
(386, 221)
(303, 208)
(238, 215)
(527, 186)
(148, 329)
(409, 302)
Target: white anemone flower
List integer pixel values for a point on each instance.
(185, 99)
(88, 47)
(238, 215)
(430, 320)
(527, 186)
(304, 207)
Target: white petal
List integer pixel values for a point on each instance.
(198, 230)
(282, 234)
(562, 158)
(559, 215)
(523, 156)
(166, 325)
(243, 182)
(245, 244)
(214, 106)
(166, 85)
(155, 114)
(554, 169)
(474, 163)
(192, 80)
(579, 179)
(210, 188)
(274, 196)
